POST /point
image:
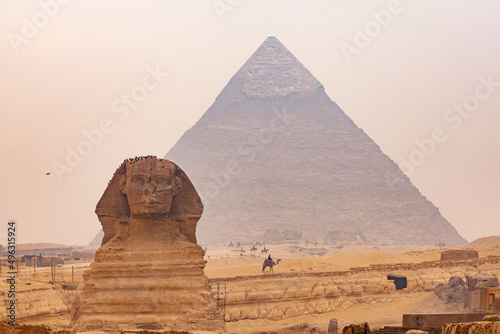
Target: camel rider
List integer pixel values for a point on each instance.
(269, 257)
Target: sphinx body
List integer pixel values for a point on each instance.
(149, 268)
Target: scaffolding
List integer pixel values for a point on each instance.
(219, 293)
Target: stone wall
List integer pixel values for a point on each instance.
(33, 301)
(283, 297)
(482, 327)
(422, 321)
(459, 254)
(278, 296)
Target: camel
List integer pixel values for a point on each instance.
(270, 264)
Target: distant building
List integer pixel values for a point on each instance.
(459, 254)
(83, 255)
(41, 261)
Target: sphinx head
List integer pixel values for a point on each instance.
(150, 186)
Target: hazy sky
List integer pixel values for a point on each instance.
(85, 84)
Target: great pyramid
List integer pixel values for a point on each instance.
(274, 159)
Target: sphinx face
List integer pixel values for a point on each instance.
(150, 188)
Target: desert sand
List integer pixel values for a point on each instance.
(230, 262)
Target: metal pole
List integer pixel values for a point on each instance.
(52, 270)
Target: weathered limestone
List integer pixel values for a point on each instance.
(333, 326)
(492, 317)
(455, 291)
(482, 280)
(363, 328)
(459, 254)
(433, 320)
(149, 268)
(41, 301)
(468, 294)
(281, 296)
(31, 329)
(482, 327)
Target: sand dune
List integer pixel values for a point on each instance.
(40, 245)
(486, 242)
(228, 262)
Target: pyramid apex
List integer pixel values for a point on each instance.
(273, 70)
(273, 40)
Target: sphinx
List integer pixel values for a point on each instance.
(149, 270)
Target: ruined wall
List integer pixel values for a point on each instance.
(483, 327)
(459, 254)
(283, 297)
(33, 301)
(279, 296)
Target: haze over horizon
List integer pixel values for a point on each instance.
(421, 79)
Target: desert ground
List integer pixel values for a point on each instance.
(231, 262)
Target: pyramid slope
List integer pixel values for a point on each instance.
(274, 155)
(274, 71)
